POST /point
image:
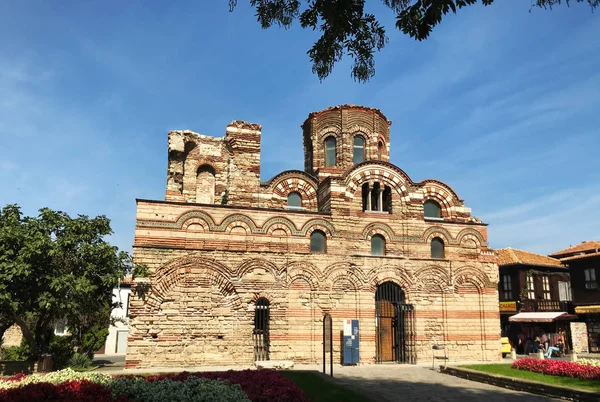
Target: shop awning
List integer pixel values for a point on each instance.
(542, 317)
(587, 309)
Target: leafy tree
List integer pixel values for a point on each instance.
(347, 29)
(55, 267)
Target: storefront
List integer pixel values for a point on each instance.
(591, 316)
(525, 327)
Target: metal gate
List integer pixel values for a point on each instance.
(260, 334)
(395, 325)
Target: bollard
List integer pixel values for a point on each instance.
(573, 357)
(513, 354)
(540, 355)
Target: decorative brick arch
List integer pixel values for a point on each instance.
(472, 276)
(441, 193)
(302, 270)
(172, 273)
(344, 269)
(317, 224)
(471, 234)
(195, 217)
(377, 171)
(296, 181)
(261, 295)
(195, 221)
(234, 220)
(378, 228)
(397, 275)
(437, 231)
(281, 223)
(249, 265)
(433, 276)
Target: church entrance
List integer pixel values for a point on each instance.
(395, 325)
(260, 333)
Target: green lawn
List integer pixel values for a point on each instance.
(319, 389)
(507, 371)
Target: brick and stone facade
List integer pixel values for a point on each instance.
(222, 240)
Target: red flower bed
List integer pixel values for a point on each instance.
(558, 368)
(84, 390)
(259, 385)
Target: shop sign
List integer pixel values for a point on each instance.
(508, 306)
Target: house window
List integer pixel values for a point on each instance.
(564, 291)
(506, 287)
(377, 245)
(294, 200)
(330, 151)
(359, 149)
(437, 248)
(590, 278)
(317, 242)
(376, 197)
(530, 288)
(60, 327)
(546, 287)
(432, 209)
(380, 152)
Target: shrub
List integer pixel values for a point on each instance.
(80, 361)
(193, 389)
(15, 353)
(61, 349)
(93, 339)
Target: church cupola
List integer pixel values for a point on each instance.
(337, 138)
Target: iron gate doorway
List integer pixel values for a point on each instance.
(395, 325)
(260, 333)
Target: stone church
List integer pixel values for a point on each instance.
(244, 270)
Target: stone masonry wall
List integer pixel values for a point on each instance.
(210, 265)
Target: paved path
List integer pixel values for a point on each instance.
(418, 383)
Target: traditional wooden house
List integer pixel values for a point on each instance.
(583, 261)
(534, 295)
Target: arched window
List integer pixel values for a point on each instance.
(330, 151)
(294, 200)
(359, 149)
(376, 198)
(380, 150)
(437, 248)
(261, 329)
(205, 185)
(432, 209)
(377, 245)
(317, 242)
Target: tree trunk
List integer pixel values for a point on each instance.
(29, 337)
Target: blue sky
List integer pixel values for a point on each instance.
(500, 103)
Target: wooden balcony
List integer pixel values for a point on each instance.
(546, 305)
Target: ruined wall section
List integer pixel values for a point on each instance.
(209, 170)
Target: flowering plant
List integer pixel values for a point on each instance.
(227, 386)
(589, 362)
(558, 368)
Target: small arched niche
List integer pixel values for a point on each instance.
(205, 185)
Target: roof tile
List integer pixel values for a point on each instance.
(507, 256)
(591, 245)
